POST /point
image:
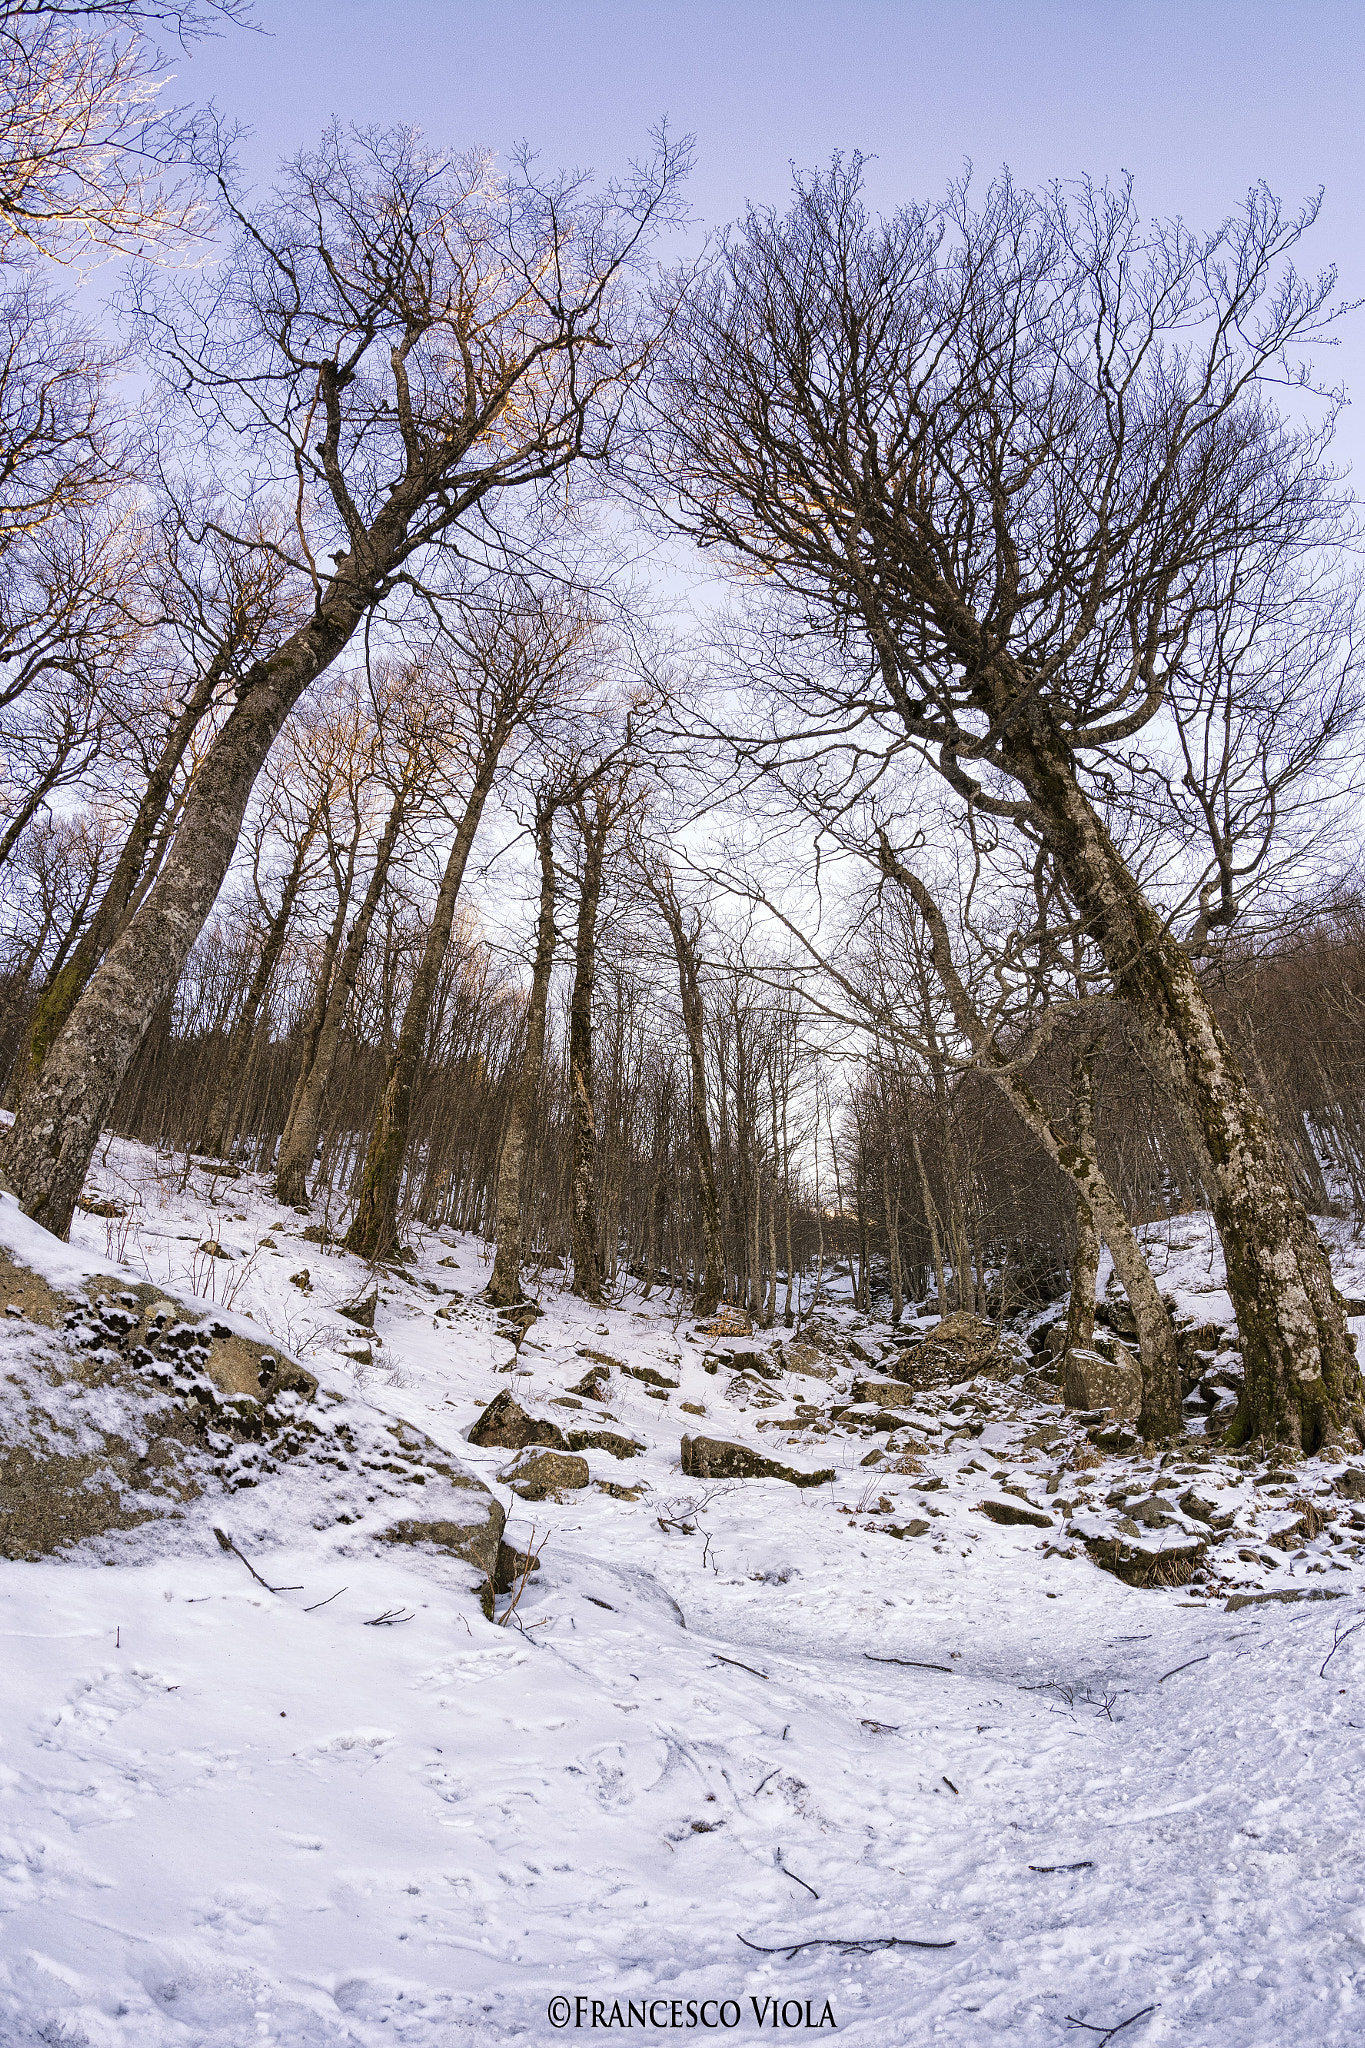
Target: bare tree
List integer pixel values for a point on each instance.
(993, 452)
(407, 339)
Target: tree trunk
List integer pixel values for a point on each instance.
(931, 1220)
(1302, 1382)
(587, 1265)
(374, 1228)
(1161, 1399)
(300, 1139)
(504, 1286)
(66, 984)
(893, 1247)
(1085, 1262)
(65, 1109)
(215, 1133)
(708, 1295)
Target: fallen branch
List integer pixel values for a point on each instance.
(1108, 2033)
(390, 1618)
(1047, 1870)
(794, 1878)
(325, 1603)
(225, 1542)
(911, 1663)
(530, 1562)
(850, 1944)
(740, 1667)
(1339, 1636)
(1172, 1674)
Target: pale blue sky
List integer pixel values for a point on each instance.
(1197, 98)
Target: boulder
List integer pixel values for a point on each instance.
(477, 1540)
(604, 1440)
(593, 1385)
(504, 1426)
(956, 1349)
(1143, 1564)
(1092, 1381)
(887, 1393)
(1010, 1514)
(707, 1457)
(1351, 1483)
(543, 1475)
(361, 1313)
(514, 1322)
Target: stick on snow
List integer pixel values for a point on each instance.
(226, 1543)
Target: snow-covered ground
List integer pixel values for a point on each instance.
(230, 1816)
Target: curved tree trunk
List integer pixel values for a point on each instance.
(65, 1109)
(1302, 1381)
(1075, 1155)
(300, 1140)
(374, 1228)
(504, 1286)
(67, 983)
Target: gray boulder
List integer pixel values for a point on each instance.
(504, 1426)
(707, 1457)
(1092, 1381)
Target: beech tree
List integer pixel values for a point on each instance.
(409, 342)
(991, 453)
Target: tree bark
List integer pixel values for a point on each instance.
(374, 1227)
(1085, 1261)
(708, 1295)
(66, 984)
(300, 1139)
(1302, 1383)
(1161, 1410)
(215, 1133)
(593, 814)
(504, 1286)
(60, 1120)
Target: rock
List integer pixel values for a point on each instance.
(318, 1233)
(303, 1279)
(729, 1322)
(1090, 1381)
(604, 1440)
(593, 1385)
(649, 1376)
(1282, 1594)
(619, 1492)
(1201, 1510)
(1351, 1484)
(1138, 1564)
(956, 1349)
(888, 1393)
(543, 1475)
(1153, 1513)
(1009, 1514)
(213, 1249)
(907, 1529)
(504, 1426)
(513, 1566)
(514, 1322)
(361, 1312)
(477, 1540)
(706, 1457)
(692, 1407)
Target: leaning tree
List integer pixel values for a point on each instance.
(992, 453)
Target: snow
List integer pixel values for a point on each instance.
(231, 1816)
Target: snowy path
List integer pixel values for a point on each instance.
(227, 1820)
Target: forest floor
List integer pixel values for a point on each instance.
(727, 1731)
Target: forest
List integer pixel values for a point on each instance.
(959, 878)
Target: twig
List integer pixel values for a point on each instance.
(1108, 2033)
(325, 1603)
(1339, 1636)
(225, 1542)
(1171, 1674)
(532, 1561)
(1047, 1869)
(390, 1618)
(850, 1944)
(763, 1781)
(911, 1663)
(951, 1786)
(793, 1876)
(738, 1666)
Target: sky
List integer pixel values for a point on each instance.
(1197, 99)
